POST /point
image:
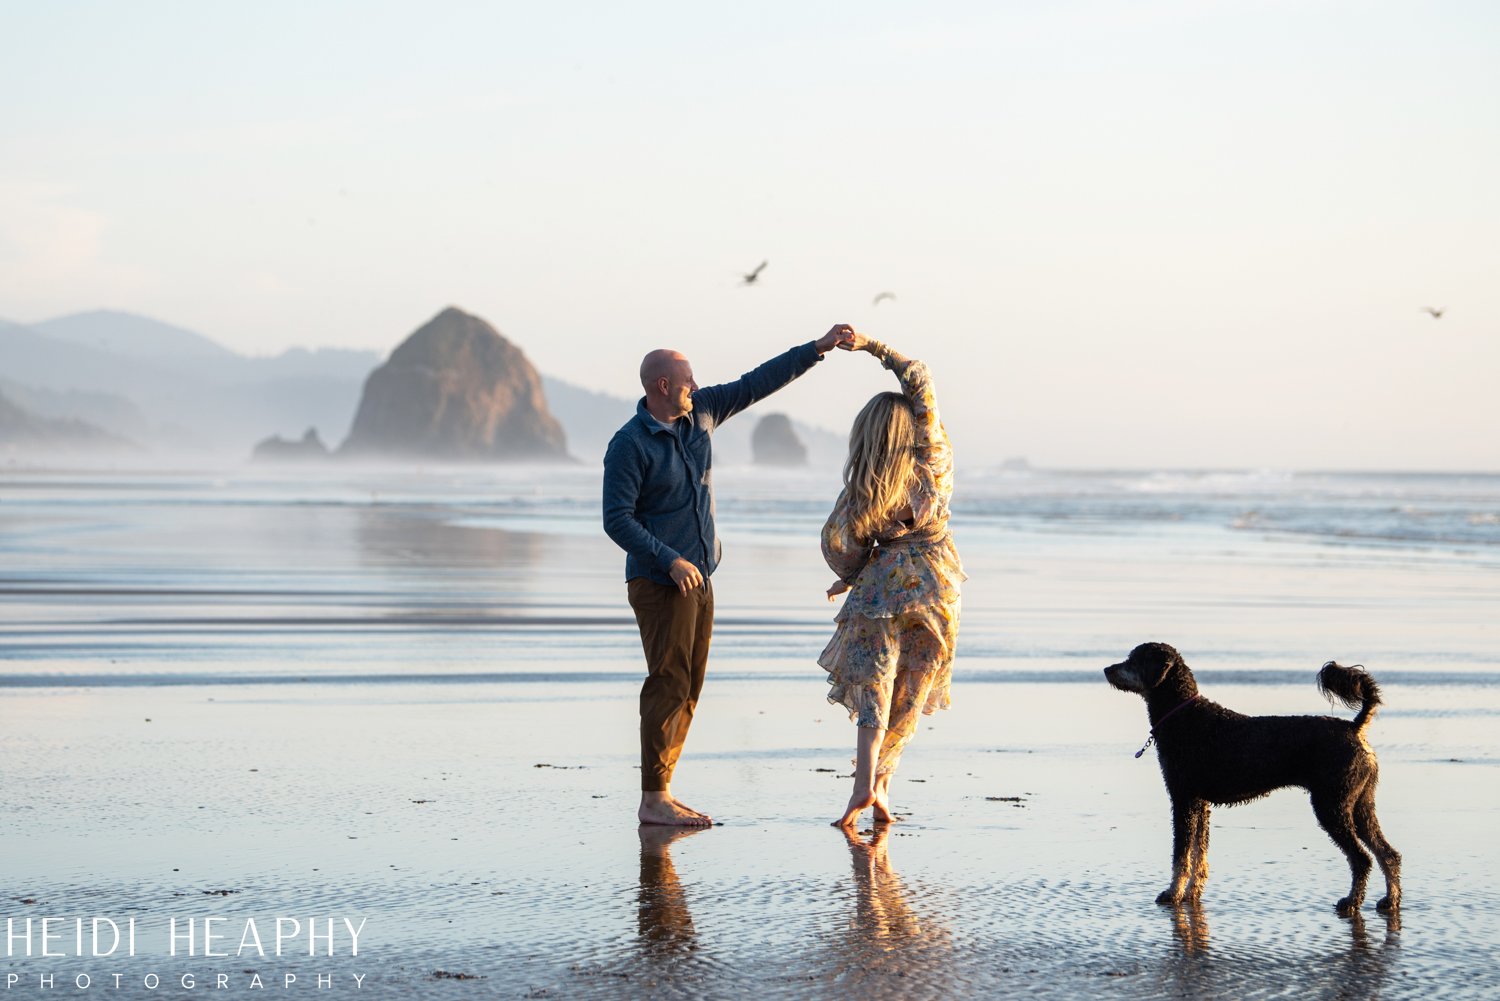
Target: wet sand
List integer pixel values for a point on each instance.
(493, 837)
(421, 716)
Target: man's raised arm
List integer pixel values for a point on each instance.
(726, 400)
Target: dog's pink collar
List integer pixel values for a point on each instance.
(1152, 738)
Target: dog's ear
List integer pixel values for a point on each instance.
(1163, 659)
(1169, 662)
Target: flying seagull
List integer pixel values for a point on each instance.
(754, 276)
(1437, 314)
(882, 297)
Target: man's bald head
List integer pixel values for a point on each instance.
(659, 364)
(667, 378)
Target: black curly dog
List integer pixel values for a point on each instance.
(1210, 754)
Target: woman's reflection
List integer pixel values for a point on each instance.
(880, 911)
(889, 938)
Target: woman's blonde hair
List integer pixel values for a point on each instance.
(882, 463)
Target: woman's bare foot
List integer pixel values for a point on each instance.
(857, 805)
(662, 808)
(883, 814)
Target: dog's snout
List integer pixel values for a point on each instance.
(1123, 676)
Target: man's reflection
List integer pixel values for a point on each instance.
(664, 926)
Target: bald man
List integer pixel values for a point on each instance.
(659, 508)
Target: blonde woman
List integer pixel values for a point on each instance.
(891, 656)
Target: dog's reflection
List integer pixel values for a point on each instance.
(1358, 971)
(664, 926)
(1361, 938)
(1190, 926)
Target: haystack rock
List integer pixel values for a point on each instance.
(455, 390)
(775, 443)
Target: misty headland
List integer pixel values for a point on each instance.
(115, 388)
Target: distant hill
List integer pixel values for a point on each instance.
(25, 433)
(106, 410)
(134, 337)
(190, 393)
(589, 418)
(175, 349)
(320, 363)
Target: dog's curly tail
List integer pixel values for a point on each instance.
(1352, 686)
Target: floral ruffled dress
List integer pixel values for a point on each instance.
(891, 655)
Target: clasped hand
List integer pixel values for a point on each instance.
(839, 336)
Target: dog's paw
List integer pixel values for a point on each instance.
(1387, 906)
(1167, 898)
(1347, 908)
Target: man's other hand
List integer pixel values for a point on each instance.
(685, 575)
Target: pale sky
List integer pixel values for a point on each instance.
(1139, 233)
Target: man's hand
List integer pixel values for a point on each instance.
(837, 588)
(838, 336)
(685, 575)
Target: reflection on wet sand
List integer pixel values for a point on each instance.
(1392, 924)
(887, 937)
(419, 538)
(664, 926)
(1370, 968)
(1190, 925)
(1359, 971)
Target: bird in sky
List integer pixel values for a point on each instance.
(754, 276)
(1437, 314)
(882, 297)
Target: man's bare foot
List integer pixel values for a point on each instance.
(857, 804)
(661, 808)
(697, 813)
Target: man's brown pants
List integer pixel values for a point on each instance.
(675, 633)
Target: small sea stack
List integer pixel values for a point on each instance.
(775, 443)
